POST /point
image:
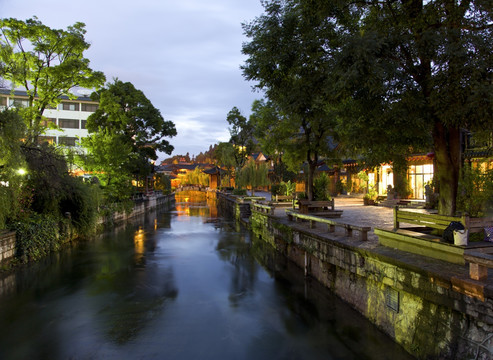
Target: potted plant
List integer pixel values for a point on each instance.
(370, 196)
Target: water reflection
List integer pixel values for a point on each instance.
(172, 286)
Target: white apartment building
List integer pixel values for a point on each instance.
(70, 116)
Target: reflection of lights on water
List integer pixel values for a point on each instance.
(155, 224)
(139, 241)
(183, 210)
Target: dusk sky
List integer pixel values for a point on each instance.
(184, 55)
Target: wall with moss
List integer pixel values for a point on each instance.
(423, 312)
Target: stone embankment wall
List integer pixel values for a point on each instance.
(7, 246)
(142, 206)
(431, 315)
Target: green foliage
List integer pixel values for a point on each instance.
(81, 201)
(241, 136)
(11, 160)
(239, 192)
(51, 191)
(109, 156)
(277, 189)
(253, 175)
(287, 58)
(224, 154)
(289, 187)
(475, 195)
(372, 193)
(125, 133)
(196, 177)
(321, 187)
(36, 236)
(125, 111)
(363, 176)
(47, 62)
(163, 183)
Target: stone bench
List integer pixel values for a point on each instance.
(332, 224)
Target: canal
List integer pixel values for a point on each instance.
(181, 284)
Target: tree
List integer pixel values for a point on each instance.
(125, 133)
(225, 156)
(273, 133)
(289, 57)
(110, 158)
(241, 136)
(253, 175)
(196, 177)
(47, 63)
(417, 67)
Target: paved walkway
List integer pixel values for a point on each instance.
(354, 212)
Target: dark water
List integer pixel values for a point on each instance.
(178, 285)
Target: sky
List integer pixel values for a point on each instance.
(185, 55)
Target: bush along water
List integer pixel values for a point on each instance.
(38, 235)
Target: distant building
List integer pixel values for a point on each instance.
(70, 116)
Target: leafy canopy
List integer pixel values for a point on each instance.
(46, 62)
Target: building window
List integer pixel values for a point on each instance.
(47, 121)
(3, 101)
(68, 123)
(46, 139)
(83, 124)
(419, 176)
(89, 107)
(19, 102)
(68, 106)
(66, 140)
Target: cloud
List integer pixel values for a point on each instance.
(184, 55)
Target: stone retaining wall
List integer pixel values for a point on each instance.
(432, 315)
(142, 206)
(7, 246)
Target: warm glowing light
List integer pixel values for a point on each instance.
(139, 241)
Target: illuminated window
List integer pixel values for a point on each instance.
(46, 139)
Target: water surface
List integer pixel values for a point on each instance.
(184, 284)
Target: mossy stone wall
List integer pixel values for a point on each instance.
(423, 312)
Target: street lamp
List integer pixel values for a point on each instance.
(21, 171)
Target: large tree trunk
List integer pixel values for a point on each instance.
(399, 167)
(447, 153)
(312, 166)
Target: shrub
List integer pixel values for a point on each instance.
(475, 193)
(321, 187)
(277, 189)
(239, 192)
(37, 236)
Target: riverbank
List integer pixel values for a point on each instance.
(66, 234)
(428, 306)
